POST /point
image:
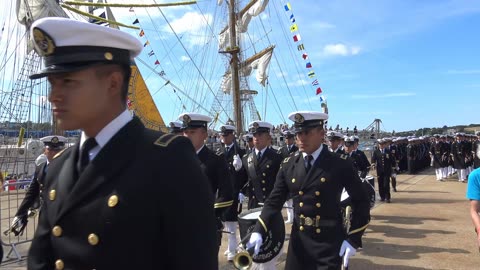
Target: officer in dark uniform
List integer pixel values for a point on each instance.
(261, 164)
(248, 138)
(31, 201)
(384, 162)
(175, 128)
(233, 153)
(315, 177)
(359, 159)
(121, 198)
(476, 152)
(438, 153)
(290, 146)
(335, 142)
(459, 152)
(213, 164)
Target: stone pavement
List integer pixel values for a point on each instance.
(427, 226)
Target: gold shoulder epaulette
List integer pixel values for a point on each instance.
(343, 156)
(286, 159)
(165, 139)
(59, 153)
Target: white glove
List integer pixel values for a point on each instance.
(255, 241)
(241, 197)
(18, 221)
(394, 175)
(346, 251)
(237, 162)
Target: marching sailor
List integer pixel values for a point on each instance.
(213, 164)
(261, 164)
(32, 200)
(121, 181)
(233, 153)
(315, 178)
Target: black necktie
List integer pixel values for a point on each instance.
(84, 158)
(259, 156)
(309, 163)
(227, 149)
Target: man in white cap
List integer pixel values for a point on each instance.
(384, 162)
(248, 138)
(261, 164)
(315, 177)
(233, 153)
(121, 181)
(335, 142)
(289, 146)
(175, 127)
(32, 200)
(213, 164)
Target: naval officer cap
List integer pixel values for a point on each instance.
(288, 134)
(226, 130)
(69, 45)
(334, 135)
(54, 142)
(175, 127)
(248, 137)
(259, 127)
(194, 120)
(305, 120)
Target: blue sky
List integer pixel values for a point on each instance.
(417, 66)
(412, 64)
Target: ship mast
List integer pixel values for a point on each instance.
(234, 51)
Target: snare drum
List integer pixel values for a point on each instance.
(272, 243)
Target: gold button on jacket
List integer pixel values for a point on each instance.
(59, 265)
(113, 201)
(93, 239)
(57, 231)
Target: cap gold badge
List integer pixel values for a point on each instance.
(44, 42)
(299, 118)
(54, 139)
(186, 119)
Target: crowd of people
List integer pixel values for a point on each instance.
(179, 195)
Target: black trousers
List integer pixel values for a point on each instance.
(384, 185)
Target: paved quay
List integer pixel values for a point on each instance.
(427, 226)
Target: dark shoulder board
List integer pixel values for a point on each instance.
(165, 139)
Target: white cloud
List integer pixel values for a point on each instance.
(300, 82)
(190, 22)
(282, 74)
(464, 71)
(340, 49)
(184, 58)
(373, 96)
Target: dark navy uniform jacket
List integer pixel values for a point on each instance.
(32, 196)
(216, 170)
(317, 231)
(261, 175)
(139, 204)
(239, 179)
(285, 152)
